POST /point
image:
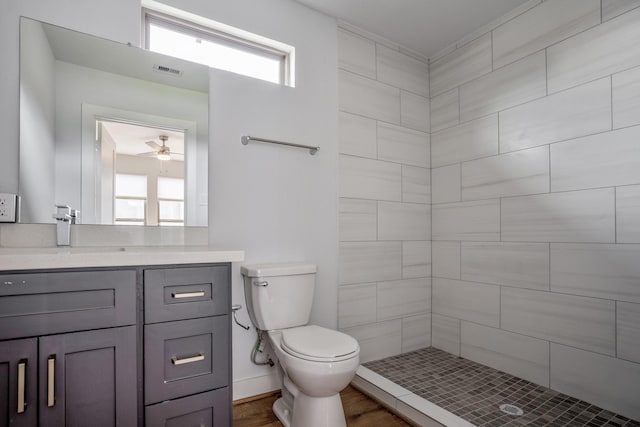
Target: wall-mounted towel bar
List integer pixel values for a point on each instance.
(246, 139)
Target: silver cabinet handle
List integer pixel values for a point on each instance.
(51, 379)
(22, 372)
(180, 295)
(176, 361)
(263, 283)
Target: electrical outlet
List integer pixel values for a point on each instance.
(7, 207)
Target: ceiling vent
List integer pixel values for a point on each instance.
(167, 70)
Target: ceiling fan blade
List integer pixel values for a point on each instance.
(153, 145)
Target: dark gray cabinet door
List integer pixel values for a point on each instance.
(18, 379)
(210, 409)
(88, 378)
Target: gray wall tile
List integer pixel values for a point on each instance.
(613, 383)
(460, 66)
(628, 214)
(416, 259)
(403, 298)
(445, 334)
(600, 51)
(445, 110)
(475, 302)
(414, 111)
(613, 8)
(356, 54)
(403, 71)
(363, 262)
(596, 270)
(479, 220)
(416, 184)
(369, 179)
(416, 332)
(626, 98)
(628, 331)
(580, 111)
(377, 340)
(446, 259)
(602, 160)
(403, 145)
(357, 220)
(357, 135)
(512, 174)
(467, 141)
(516, 354)
(366, 97)
(403, 221)
(582, 322)
(522, 265)
(356, 305)
(514, 84)
(446, 184)
(577, 216)
(542, 26)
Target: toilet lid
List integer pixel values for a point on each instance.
(319, 344)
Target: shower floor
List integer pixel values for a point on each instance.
(474, 392)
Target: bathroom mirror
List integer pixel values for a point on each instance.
(118, 132)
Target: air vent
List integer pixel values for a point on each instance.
(167, 70)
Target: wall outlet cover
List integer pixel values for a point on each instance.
(8, 207)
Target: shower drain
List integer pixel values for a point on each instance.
(511, 409)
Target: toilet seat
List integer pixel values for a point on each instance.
(318, 344)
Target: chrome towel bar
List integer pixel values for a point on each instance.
(246, 139)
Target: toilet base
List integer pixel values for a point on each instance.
(311, 411)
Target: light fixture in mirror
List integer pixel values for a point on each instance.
(91, 109)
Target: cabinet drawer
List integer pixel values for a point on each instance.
(185, 357)
(210, 409)
(186, 293)
(47, 303)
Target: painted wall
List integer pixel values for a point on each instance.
(384, 209)
(535, 188)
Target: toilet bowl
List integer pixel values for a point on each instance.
(314, 363)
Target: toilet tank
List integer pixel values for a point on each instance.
(279, 296)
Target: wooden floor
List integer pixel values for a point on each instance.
(360, 411)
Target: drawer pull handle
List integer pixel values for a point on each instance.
(22, 372)
(176, 361)
(51, 378)
(180, 295)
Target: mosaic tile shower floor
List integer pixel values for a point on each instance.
(474, 392)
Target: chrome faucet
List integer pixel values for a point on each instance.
(65, 217)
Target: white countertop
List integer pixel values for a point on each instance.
(79, 257)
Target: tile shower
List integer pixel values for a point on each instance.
(490, 201)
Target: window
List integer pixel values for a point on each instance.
(170, 201)
(130, 200)
(192, 42)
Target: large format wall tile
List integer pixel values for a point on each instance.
(416, 259)
(370, 179)
(582, 322)
(414, 111)
(628, 214)
(613, 8)
(475, 302)
(580, 111)
(446, 259)
(445, 110)
(542, 26)
(515, 354)
(403, 145)
(363, 262)
(357, 220)
(356, 304)
(445, 184)
(377, 340)
(522, 265)
(600, 51)
(597, 270)
(416, 332)
(479, 220)
(445, 334)
(628, 331)
(467, 141)
(356, 54)
(357, 135)
(403, 221)
(602, 160)
(369, 98)
(416, 184)
(626, 98)
(400, 70)
(403, 298)
(512, 174)
(577, 216)
(613, 383)
(514, 84)
(460, 66)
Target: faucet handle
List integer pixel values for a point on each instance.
(63, 213)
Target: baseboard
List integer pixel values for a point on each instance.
(248, 388)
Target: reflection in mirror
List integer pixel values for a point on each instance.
(96, 117)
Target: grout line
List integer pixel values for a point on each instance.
(615, 327)
(615, 215)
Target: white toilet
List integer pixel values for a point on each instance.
(317, 363)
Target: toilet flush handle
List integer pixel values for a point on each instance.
(234, 308)
(263, 283)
